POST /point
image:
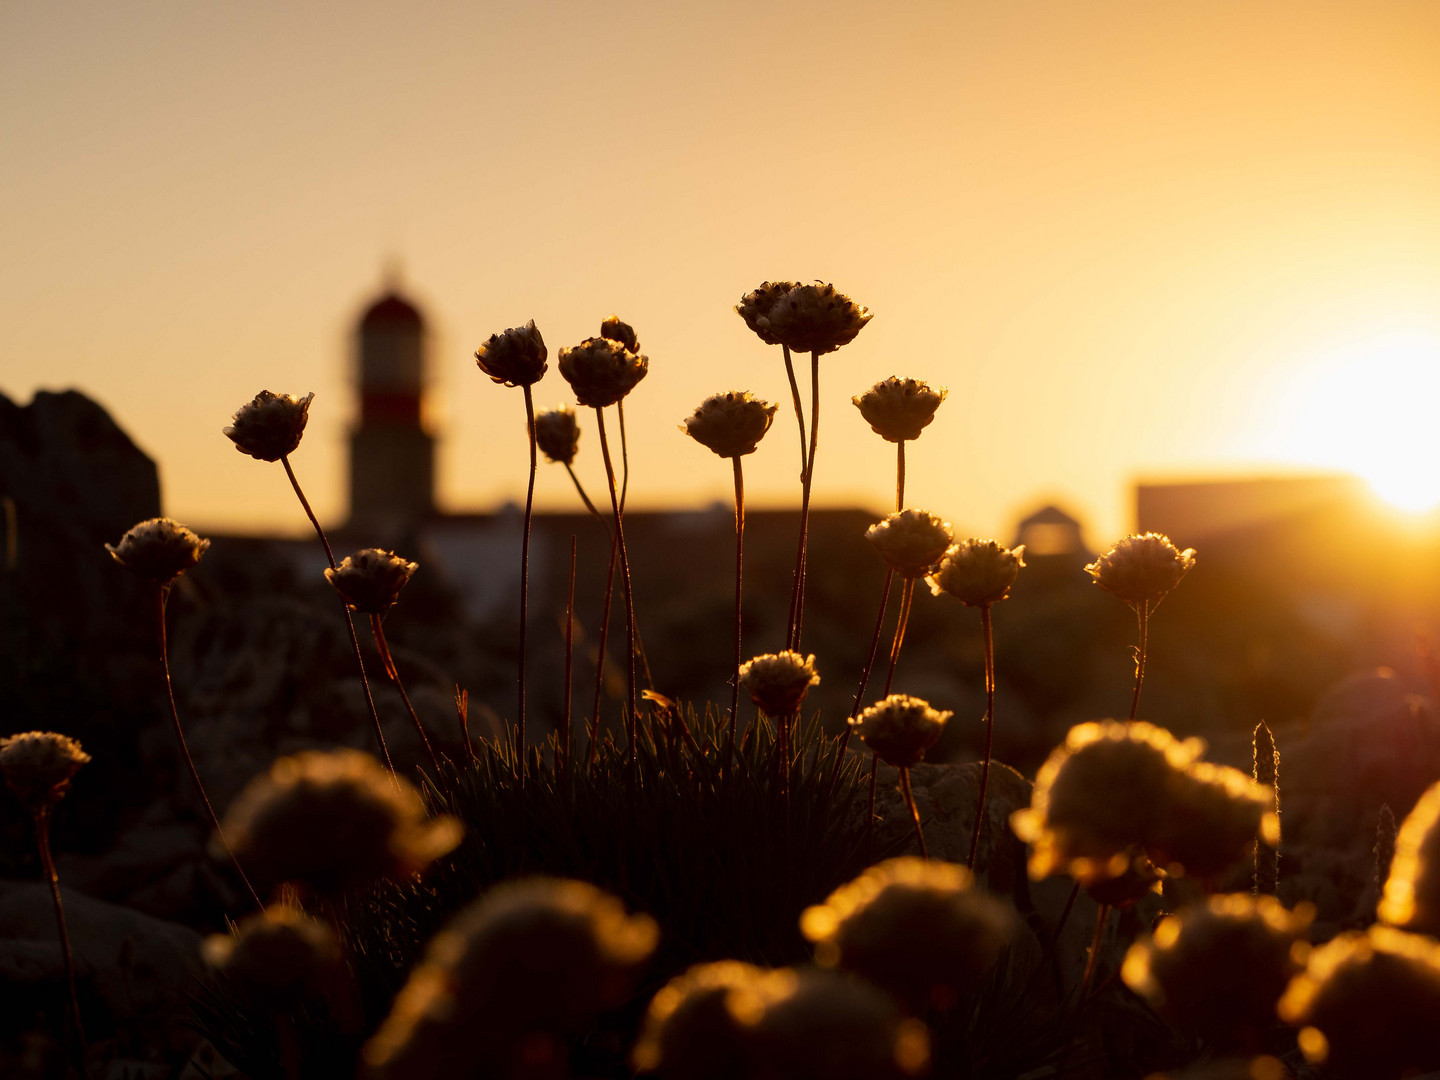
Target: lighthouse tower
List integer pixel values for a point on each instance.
(392, 455)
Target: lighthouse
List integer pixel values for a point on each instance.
(392, 455)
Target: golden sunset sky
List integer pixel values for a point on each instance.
(1135, 239)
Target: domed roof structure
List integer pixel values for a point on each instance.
(391, 310)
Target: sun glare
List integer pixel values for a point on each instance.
(1372, 409)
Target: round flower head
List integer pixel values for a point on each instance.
(159, 550)
(334, 820)
(615, 330)
(1220, 966)
(1210, 820)
(557, 433)
(778, 682)
(1142, 569)
(38, 767)
(821, 1025)
(535, 957)
(514, 357)
(1366, 1004)
(270, 426)
(910, 542)
(601, 371)
(815, 319)
(371, 579)
(755, 307)
(277, 956)
(1412, 891)
(730, 424)
(977, 572)
(915, 928)
(900, 729)
(694, 1030)
(899, 409)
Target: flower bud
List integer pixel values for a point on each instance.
(693, 1029)
(730, 424)
(615, 330)
(278, 956)
(601, 371)
(1141, 569)
(977, 572)
(755, 307)
(38, 766)
(370, 580)
(270, 426)
(778, 682)
(911, 541)
(514, 357)
(900, 729)
(815, 319)
(899, 409)
(557, 433)
(159, 550)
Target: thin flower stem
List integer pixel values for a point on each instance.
(580, 490)
(1102, 916)
(900, 476)
(1142, 615)
(624, 455)
(739, 577)
(600, 655)
(1054, 937)
(47, 864)
(349, 621)
(907, 594)
(525, 569)
(988, 631)
(569, 654)
(914, 810)
(161, 594)
(377, 628)
(630, 722)
(802, 562)
(799, 410)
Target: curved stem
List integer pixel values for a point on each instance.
(161, 593)
(525, 571)
(349, 621)
(739, 577)
(1102, 915)
(626, 589)
(799, 410)
(1142, 615)
(914, 810)
(377, 628)
(600, 653)
(900, 476)
(907, 594)
(624, 454)
(47, 863)
(988, 632)
(864, 680)
(569, 655)
(580, 489)
(802, 563)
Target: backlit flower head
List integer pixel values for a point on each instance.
(900, 729)
(755, 307)
(1220, 966)
(622, 332)
(514, 357)
(159, 550)
(1142, 569)
(332, 820)
(977, 572)
(778, 682)
(1412, 891)
(371, 579)
(531, 958)
(601, 371)
(270, 426)
(1210, 821)
(557, 433)
(911, 541)
(38, 767)
(917, 929)
(730, 424)
(694, 1029)
(278, 956)
(899, 409)
(1366, 1005)
(815, 318)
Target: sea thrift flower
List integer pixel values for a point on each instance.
(370, 580)
(1142, 569)
(1366, 1004)
(1412, 890)
(615, 330)
(1220, 966)
(755, 307)
(815, 319)
(977, 572)
(514, 357)
(531, 959)
(917, 929)
(900, 729)
(899, 409)
(601, 371)
(778, 682)
(731, 424)
(910, 542)
(159, 550)
(698, 1026)
(557, 433)
(1210, 821)
(38, 767)
(270, 426)
(278, 956)
(334, 820)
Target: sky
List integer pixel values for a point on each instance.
(1135, 240)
